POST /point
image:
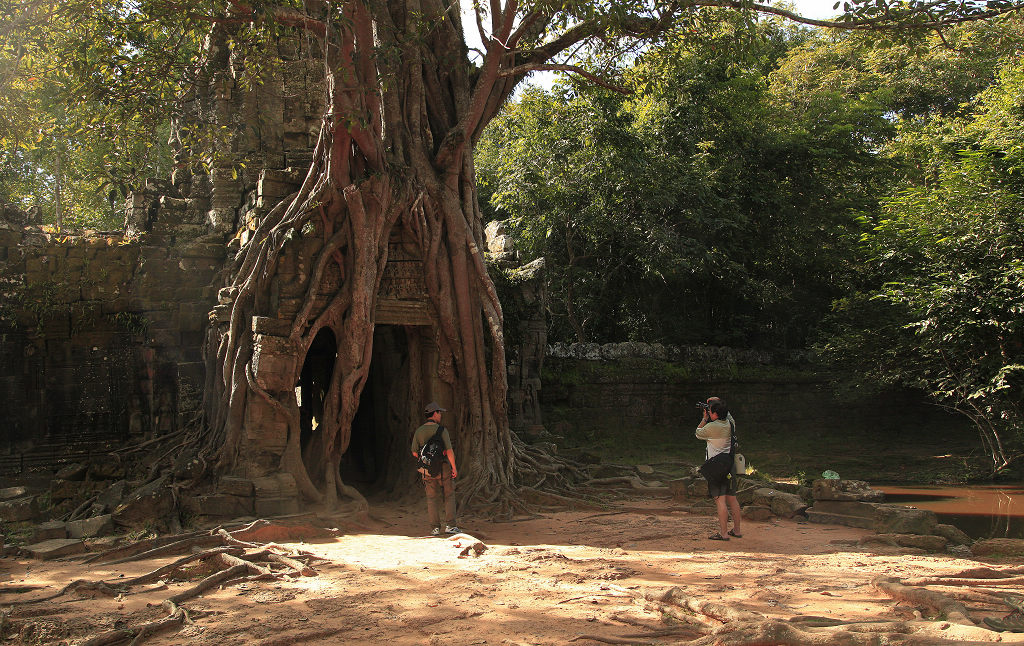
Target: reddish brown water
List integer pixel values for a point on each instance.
(981, 511)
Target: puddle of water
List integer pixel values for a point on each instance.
(981, 511)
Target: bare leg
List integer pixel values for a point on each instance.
(723, 514)
(734, 507)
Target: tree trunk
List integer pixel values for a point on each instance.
(394, 153)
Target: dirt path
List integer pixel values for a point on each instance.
(541, 581)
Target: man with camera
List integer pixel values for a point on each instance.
(718, 429)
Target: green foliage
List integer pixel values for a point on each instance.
(694, 211)
(945, 310)
(86, 95)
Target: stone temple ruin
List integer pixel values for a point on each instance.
(102, 333)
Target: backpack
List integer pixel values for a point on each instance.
(432, 453)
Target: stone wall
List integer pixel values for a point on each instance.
(592, 388)
(100, 339)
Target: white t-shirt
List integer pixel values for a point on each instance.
(718, 434)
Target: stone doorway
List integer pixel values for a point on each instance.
(378, 447)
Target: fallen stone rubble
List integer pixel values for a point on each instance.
(852, 503)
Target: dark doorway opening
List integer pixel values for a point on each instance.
(314, 383)
(379, 440)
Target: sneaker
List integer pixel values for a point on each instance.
(436, 531)
(452, 529)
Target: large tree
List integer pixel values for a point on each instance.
(946, 263)
(695, 210)
(405, 101)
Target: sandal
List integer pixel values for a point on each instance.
(717, 537)
(734, 534)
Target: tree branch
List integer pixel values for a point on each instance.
(557, 67)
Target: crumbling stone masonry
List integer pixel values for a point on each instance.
(100, 339)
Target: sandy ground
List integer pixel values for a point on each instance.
(542, 581)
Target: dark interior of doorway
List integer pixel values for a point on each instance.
(380, 435)
(314, 382)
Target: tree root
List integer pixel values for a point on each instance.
(77, 584)
(140, 547)
(233, 561)
(609, 640)
(138, 633)
(529, 494)
(176, 547)
(720, 624)
(985, 582)
(952, 610)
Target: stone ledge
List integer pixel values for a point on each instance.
(56, 548)
(827, 518)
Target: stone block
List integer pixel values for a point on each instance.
(897, 519)
(857, 490)
(998, 547)
(71, 489)
(757, 512)
(788, 487)
(145, 505)
(271, 326)
(266, 487)
(236, 486)
(107, 467)
(167, 338)
(827, 518)
(271, 186)
(678, 487)
(205, 250)
(953, 534)
(782, 504)
(274, 486)
(224, 505)
(864, 510)
(281, 506)
(113, 495)
(273, 362)
(91, 527)
(49, 530)
(56, 548)
(19, 509)
(172, 203)
(918, 541)
(221, 219)
(9, 493)
(228, 200)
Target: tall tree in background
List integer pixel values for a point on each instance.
(700, 208)
(87, 91)
(403, 107)
(942, 310)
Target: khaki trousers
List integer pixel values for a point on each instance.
(436, 486)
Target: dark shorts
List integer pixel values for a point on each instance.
(723, 487)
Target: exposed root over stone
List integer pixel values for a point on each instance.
(228, 557)
(706, 622)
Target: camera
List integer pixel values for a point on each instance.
(705, 406)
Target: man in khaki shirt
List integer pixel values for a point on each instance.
(716, 428)
(443, 483)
